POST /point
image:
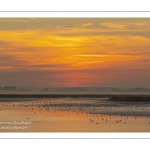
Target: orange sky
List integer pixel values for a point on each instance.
(54, 52)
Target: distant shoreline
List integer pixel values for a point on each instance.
(111, 97)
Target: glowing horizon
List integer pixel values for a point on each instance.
(75, 52)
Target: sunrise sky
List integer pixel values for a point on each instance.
(75, 52)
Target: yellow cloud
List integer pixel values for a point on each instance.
(87, 24)
(75, 52)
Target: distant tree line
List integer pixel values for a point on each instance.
(77, 89)
(8, 88)
(138, 89)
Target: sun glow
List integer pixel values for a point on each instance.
(77, 49)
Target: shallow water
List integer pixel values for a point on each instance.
(74, 115)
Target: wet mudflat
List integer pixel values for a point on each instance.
(73, 115)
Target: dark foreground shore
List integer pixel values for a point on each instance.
(111, 97)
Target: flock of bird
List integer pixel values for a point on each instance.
(97, 113)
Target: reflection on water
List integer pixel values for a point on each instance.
(74, 115)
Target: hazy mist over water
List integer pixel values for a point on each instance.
(74, 109)
(72, 90)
